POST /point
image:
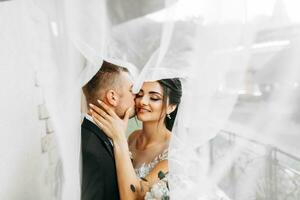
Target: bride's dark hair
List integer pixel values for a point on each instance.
(172, 93)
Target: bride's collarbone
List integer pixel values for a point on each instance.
(142, 145)
(148, 155)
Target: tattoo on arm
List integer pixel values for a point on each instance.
(143, 183)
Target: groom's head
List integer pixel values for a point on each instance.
(111, 84)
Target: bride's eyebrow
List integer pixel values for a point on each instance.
(153, 92)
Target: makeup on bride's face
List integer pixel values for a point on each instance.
(149, 102)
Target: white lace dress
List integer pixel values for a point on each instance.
(143, 167)
(143, 170)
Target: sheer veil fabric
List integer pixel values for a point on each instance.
(238, 64)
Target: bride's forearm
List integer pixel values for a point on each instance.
(129, 184)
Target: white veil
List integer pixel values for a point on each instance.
(236, 131)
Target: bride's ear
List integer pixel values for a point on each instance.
(171, 108)
(112, 97)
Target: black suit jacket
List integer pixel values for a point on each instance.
(99, 178)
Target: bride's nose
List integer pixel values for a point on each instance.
(144, 100)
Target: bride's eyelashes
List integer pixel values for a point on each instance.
(151, 98)
(154, 99)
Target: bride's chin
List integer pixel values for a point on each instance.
(141, 117)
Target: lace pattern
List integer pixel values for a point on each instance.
(145, 168)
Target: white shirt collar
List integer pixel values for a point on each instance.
(89, 117)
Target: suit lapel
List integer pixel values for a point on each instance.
(100, 134)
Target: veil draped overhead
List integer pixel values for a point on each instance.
(237, 127)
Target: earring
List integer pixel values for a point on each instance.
(169, 116)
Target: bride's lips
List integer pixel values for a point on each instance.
(143, 110)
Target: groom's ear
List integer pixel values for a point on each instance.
(112, 97)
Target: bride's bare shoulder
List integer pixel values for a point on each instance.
(133, 136)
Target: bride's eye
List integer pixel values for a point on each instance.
(155, 98)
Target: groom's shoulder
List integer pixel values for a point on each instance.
(89, 139)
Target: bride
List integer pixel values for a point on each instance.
(139, 161)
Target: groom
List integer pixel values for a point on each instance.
(112, 85)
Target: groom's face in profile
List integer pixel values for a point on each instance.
(125, 94)
(111, 84)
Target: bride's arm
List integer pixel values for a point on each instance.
(127, 178)
(130, 187)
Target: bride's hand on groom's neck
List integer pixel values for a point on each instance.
(113, 126)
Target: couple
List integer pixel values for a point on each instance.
(114, 167)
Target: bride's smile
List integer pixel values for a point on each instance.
(143, 110)
(149, 102)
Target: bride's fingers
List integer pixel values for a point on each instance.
(101, 125)
(107, 109)
(98, 117)
(98, 110)
(127, 114)
(97, 122)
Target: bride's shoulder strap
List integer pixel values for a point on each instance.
(163, 155)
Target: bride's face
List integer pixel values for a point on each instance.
(149, 102)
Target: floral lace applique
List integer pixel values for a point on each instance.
(145, 169)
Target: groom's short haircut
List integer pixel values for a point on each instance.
(106, 78)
